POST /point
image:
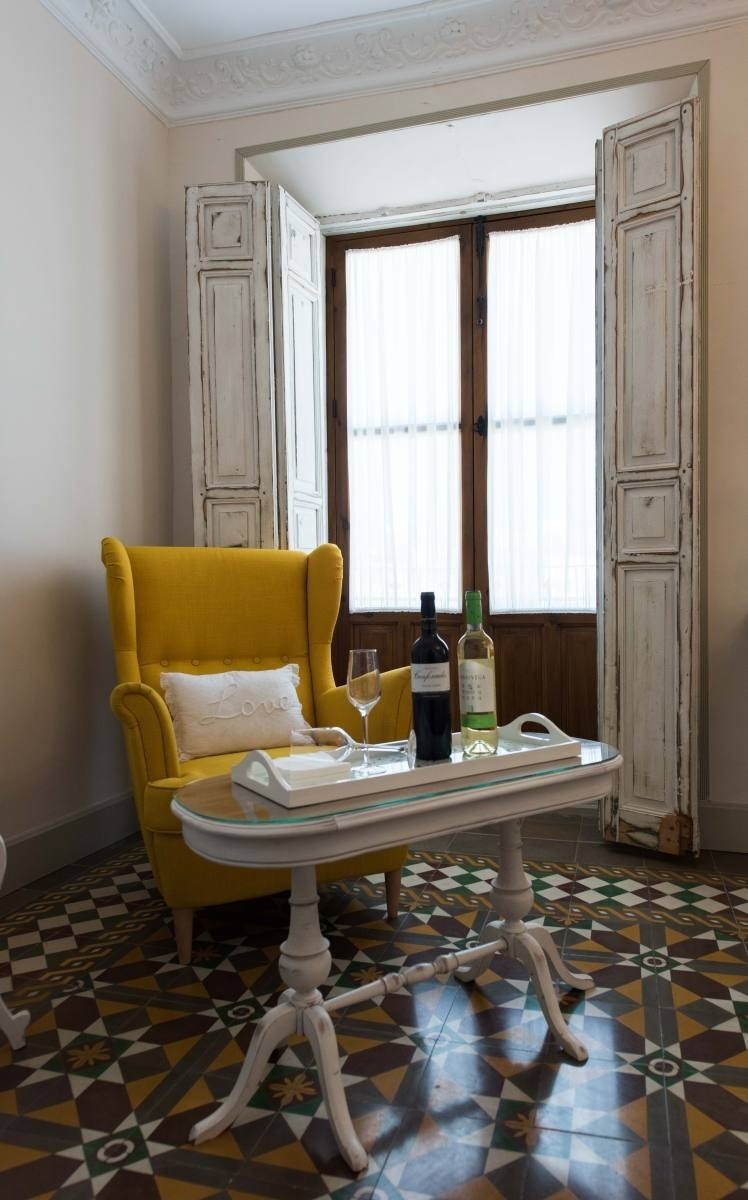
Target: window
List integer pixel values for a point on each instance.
(403, 388)
(529, 513)
(461, 387)
(541, 419)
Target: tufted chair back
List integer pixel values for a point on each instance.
(205, 610)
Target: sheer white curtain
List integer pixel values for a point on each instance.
(541, 418)
(403, 395)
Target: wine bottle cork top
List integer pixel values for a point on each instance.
(473, 608)
(428, 606)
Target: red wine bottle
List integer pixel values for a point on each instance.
(429, 680)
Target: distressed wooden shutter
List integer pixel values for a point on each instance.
(298, 309)
(648, 227)
(230, 359)
(254, 306)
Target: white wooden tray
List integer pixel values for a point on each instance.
(288, 782)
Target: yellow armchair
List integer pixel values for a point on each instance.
(204, 610)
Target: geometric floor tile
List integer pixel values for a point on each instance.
(457, 1091)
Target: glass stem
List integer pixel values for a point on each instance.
(365, 717)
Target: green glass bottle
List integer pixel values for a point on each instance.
(477, 682)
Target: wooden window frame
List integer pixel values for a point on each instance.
(539, 648)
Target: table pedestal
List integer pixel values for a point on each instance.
(305, 964)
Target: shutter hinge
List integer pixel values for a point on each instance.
(333, 277)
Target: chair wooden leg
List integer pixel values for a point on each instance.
(183, 933)
(392, 889)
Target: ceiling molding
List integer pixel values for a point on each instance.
(428, 43)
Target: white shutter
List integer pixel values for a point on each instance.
(298, 277)
(256, 355)
(230, 360)
(648, 233)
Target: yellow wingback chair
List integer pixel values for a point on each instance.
(204, 610)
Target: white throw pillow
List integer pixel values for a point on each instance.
(236, 710)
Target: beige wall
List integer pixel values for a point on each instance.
(85, 448)
(205, 154)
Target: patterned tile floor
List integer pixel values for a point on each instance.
(457, 1091)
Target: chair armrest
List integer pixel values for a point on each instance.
(389, 720)
(149, 735)
(157, 814)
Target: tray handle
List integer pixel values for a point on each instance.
(514, 730)
(257, 772)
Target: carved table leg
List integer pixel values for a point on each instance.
(531, 944)
(319, 1029)
(550, 949)
(304, 964)
(491, 932)
(13, 1025)
(275, 1027)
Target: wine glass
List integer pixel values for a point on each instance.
(364, 688)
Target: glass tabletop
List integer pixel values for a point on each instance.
(219, 799)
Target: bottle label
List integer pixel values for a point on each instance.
(429, 677)
(477, 686)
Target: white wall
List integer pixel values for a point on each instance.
(205, 154)
(85, 449)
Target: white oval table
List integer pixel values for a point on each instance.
(228, 824)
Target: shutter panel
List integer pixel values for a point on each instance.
(299, 364)
(649, 615)
(230, 362)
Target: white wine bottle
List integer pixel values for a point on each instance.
(477, 681)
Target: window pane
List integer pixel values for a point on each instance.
(403, 381)
(541, 418)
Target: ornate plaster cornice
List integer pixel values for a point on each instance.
(429, 43)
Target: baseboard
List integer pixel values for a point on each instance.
(42, 851)
(724, 827)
